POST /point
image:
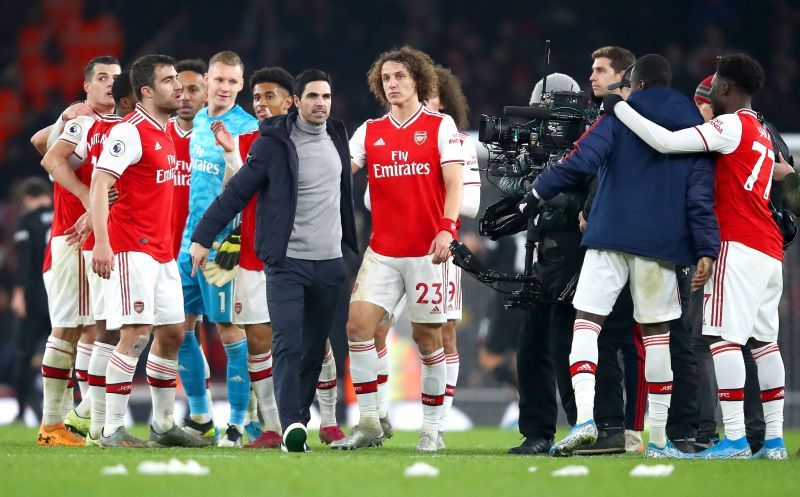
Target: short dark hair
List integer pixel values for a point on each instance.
(307, 77)
(653, 69)
(122, 86)
(35, 186)
(88, 71)
(420, 68)
(621, 58)
(194, 65)
(743, 71)
(451, 96)
(275, 74)
(143, 71)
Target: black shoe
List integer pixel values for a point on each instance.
(707, 439)
(608, 442)
(690, 445)
(532, 447)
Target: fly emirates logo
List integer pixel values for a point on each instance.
(400, 167)
(168, 175)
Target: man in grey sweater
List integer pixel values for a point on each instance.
(300, 169)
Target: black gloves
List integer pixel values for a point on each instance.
(609, 101)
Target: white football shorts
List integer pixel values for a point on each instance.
(453, 291)
(653, 283)
(741, 298)
(97, 288)
(67, 286)
(142, 290)
(384, 280)
(250, 298)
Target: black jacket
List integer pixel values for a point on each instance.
(30, 240)
(271, 171)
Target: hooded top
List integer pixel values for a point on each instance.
(647, 203)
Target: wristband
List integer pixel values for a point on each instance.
(449, 226)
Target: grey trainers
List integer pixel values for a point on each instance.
(121, 438)
(361, 436)
(427, 442)
(177, 437)
(386, 426)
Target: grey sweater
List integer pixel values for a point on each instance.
(317, 231)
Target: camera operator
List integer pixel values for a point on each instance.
(546, 338)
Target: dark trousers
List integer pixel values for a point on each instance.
(620, 335)
(543, 356)
(302, 297)
(32, 332)
(684, 412)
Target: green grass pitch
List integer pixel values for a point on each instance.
(474, 463)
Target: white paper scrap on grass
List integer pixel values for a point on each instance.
(656, 470)
(173, 467)
(119, 469)
(571, 471)
(419, 469)
(533, 469)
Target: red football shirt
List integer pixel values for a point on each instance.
(743, 180)
(140, 153)
(247, 255)
(406, 185)
(180, 196)
(87, 134)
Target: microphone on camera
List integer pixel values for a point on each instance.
(531, 113)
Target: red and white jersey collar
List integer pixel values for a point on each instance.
(747, 111)
(140, 111)
(408, 121)
(178, 130)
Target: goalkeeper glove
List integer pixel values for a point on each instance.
(228, 253)
(217, 276)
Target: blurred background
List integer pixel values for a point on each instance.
(495, 48)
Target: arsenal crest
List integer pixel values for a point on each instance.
(138, 306)
(420, 137)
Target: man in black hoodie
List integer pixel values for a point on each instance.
(300, 169)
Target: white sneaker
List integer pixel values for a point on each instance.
(440, 441)
(427, 442)
(231, 438)
(633, 441)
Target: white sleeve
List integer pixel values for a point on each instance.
(358, 149)
(471, 203)
(76, 132)
(450, 149)
(233, 160)
(55, 131)
(685, 141)
(367, 202)
(722, 134)
(123, 147)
